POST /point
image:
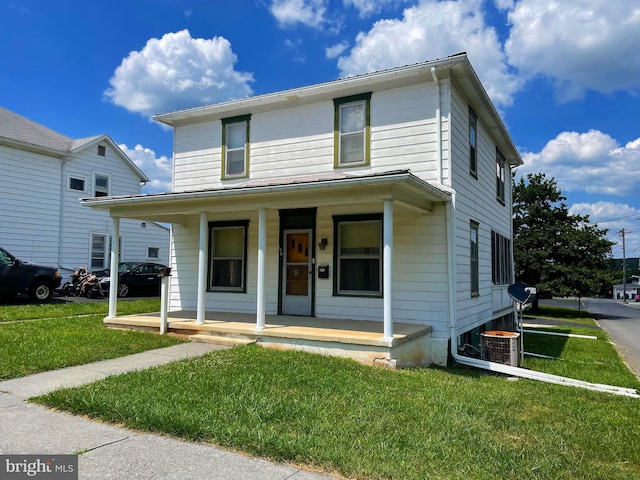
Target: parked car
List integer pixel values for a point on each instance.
(16, 276)
(134, 277)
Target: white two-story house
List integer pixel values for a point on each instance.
(44, 174)
(368, 216)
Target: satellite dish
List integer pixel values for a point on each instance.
(519, 292)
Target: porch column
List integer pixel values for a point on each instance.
(113, 266)
(262, 245)
(202, 268)
(387, 274)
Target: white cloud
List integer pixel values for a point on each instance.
(311, 13)
(158, 169)
(177, 72)
(369, 7)
(591, 162)
(435, 29)
(614, 217)
(579, 44)
(336, 50)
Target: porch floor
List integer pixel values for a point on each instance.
(353, 338)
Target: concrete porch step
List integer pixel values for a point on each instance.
(220, 340)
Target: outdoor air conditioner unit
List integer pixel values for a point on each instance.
(500, 347)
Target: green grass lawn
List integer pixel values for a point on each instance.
(11, 313)
(341, 417)
(595, 361)
(371, 423)
(72, 334)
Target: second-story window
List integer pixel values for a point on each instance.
(101, 185)
(473, 143)
(500, 176)
(352, 120)
(235, 147)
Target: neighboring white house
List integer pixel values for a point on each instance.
(631, 289)
(44, 174)
(383, 198)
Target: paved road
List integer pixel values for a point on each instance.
(622, 323)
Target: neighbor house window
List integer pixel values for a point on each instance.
(501, 267)
(102, 151)
(101, 185)
(473, 254)
(77, 184)
(153, 253)
(358, 255)
(352, 119)
(500, 176)
(473, 142)
(228, 256)
(235, 147)
(98, 251)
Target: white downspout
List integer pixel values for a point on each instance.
(438, 128)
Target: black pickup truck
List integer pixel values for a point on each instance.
(17, 276)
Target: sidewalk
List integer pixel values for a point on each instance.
(113, 452)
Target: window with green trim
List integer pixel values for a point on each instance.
(352, 120)
(358, 255)
(235, 147)
(228, 256)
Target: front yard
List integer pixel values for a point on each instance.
(37, 338)
(341, 417)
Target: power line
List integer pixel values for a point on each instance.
(615, 219)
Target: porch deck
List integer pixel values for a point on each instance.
(357, 339)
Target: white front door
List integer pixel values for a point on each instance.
(297, 273)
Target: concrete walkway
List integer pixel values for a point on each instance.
(112, 452)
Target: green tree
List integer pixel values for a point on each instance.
(559, 253)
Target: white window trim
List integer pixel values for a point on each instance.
(362, 132)
(148, 257)
(107, 176)
(77, 177)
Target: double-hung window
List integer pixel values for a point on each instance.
(228, 256)
(101, 185)
(235, 147)
(352, 119)
(358, 255)
(501, 266)
(473, 143)
(500, 176)
(473, 254)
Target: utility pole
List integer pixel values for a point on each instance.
(624, 268)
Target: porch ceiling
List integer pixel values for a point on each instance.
(404, 188)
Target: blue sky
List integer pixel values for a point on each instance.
(565, 75)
